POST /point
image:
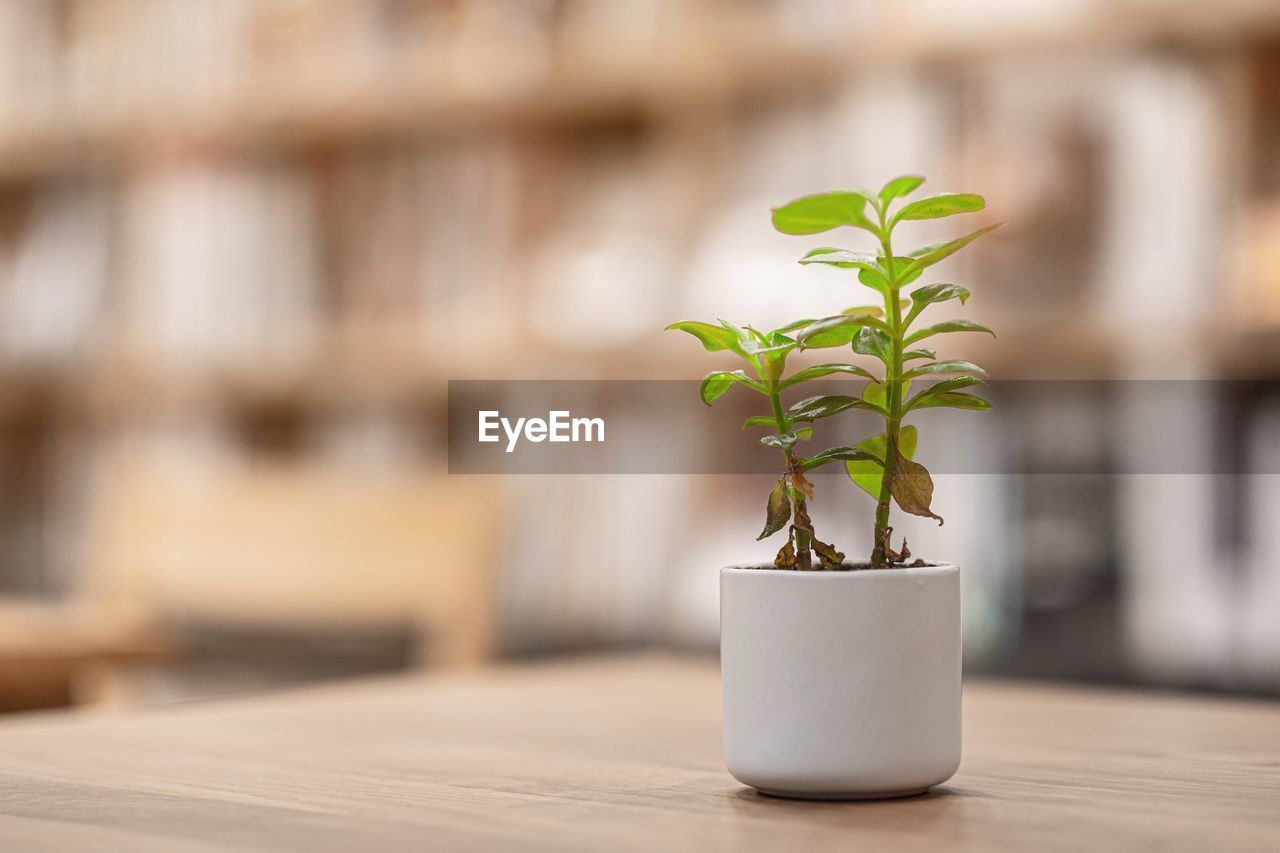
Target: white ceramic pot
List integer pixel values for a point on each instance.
(841, 685)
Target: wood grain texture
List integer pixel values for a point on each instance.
(620, 754)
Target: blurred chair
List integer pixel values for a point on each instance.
(299, 547)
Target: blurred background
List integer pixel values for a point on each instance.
(244, 244)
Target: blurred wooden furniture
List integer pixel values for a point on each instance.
(621, 754)
(292, 546)
(56, 654)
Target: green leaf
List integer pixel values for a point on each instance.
(814, 408)
(943, 387)
(948, 326)
(819, 370)
(779, 441)
(868, 476)
(864, 311)
(878, 395)
(955, 366)
(912, 487)
(928, 255)
(874, 279)
(873, 342)
(836, 331)
(956, 400)
(843, 258)
(870, 272)
(773, 361)
(752, 342)
(718, 381)
(899, 187)
(922, 352)
(714, 338)
(922, 297)
(792, 326)
(778, 511)
(757, 420)
(840, 454)
(946, 204)
(803, 433)
(824, 211)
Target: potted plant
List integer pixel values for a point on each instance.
(843, 681)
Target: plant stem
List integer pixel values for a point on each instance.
(893, 397)
(780, 422)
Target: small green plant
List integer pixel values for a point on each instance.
(766, 353)
(888, 333)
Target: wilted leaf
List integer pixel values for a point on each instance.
(864, 311)
(956, 400)
(943, 387)
(827, 554)
(840, 454)
(778, 512)
(804, 433)
(899, 187)
(835, 331)
(815, 408)
(869, 475)
(943, 367)
(946, 204)
(718, 381)
(948, 326)
(758, 420)
(927, 256)
(795, 470)
(786, 558)
(779, 441)
(714, 338)
(912, 487)
(802, 529)
(873, 342)
(822, 212)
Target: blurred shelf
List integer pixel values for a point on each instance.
(369, 374)
(744, 56)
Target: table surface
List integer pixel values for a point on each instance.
(619, 754)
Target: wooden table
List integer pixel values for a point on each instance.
(620, 754)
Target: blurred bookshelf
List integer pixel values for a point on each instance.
(279, 227)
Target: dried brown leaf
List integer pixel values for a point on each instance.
(912, 487)
(778, 511)
(830, 557)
